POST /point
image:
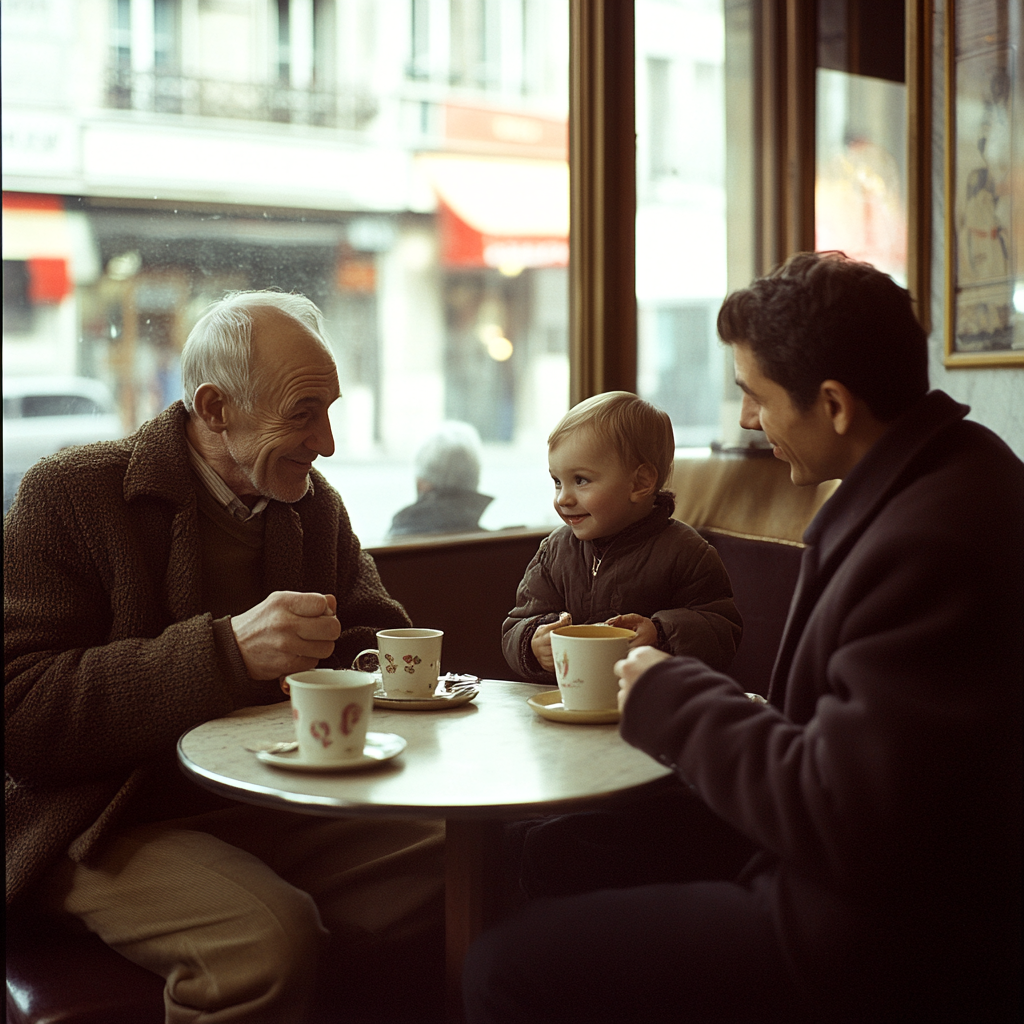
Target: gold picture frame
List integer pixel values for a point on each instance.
(984, 184)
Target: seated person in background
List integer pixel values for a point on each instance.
(881, 784)
(447, 476)
(160, 581)
(620, 558)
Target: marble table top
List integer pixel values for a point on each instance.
(492, 758)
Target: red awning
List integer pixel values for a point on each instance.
(507, 214)
(35, 231)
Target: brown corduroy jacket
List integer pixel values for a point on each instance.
(109, 655)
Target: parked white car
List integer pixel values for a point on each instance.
(42, 415)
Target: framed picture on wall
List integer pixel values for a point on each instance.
(984, 184)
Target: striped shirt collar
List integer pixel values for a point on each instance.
(220, 490)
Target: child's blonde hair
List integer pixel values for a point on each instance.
(640, 433)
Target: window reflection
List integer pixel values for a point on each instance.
(861, 138)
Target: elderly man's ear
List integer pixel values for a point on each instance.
(211, 407)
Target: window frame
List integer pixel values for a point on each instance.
(602, 169)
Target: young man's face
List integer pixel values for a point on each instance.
(273, 447)
(806, 440)
(594, 493)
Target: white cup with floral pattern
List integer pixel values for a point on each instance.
(331, 709)
(410, 661)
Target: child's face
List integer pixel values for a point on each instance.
(594, 493)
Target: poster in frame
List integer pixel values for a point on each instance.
(984, 184)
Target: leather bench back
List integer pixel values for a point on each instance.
(755, 516)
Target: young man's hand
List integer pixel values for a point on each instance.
(646, 631)
(633, 666)
(541, 642)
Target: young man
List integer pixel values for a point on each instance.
(882, 781)
(157, 582)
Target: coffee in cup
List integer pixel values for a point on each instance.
(585, 658)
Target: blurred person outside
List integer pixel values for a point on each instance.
(447, 477)
(166, 579)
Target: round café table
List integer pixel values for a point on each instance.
(488, 761)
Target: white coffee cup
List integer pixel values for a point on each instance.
(585, 658)
(331, 708)
(410, 661)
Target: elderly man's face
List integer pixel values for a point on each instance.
(274, 446)
(806, 440)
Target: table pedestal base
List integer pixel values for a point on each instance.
(474, 888)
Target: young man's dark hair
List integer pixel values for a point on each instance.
(823, 316)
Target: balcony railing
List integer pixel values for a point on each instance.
(248, 101)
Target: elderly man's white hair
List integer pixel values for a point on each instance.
(450, 458)
(219, 348)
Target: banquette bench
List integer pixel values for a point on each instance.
(465, 585)
(747, 507)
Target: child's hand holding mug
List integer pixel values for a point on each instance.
(540, 644)
(645, 629)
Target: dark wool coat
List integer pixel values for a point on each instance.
(883, 779)
(109, 656)
(659, 568)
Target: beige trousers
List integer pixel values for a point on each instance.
(233, 908)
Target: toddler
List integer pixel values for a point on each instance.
(621, 558)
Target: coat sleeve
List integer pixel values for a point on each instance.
(80, 702)
(902, 767)
(538, 601)
(703, 621)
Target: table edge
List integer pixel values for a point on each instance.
(280, 799)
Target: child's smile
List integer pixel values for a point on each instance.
(594, 493)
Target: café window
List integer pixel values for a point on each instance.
(413, 183)
(682, 257)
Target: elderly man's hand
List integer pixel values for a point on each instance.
(286, 632)
(633, 666)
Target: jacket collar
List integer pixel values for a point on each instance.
(872, 481)
(850, 510)
(159, 461)
(158, 466)
(654, 522)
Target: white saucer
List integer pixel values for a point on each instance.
(438, 702)
(548, 704)
(380, 746)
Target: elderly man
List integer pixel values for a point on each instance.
(881, 783)
(157, 582)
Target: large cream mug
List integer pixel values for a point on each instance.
(410, 661)
(331, 708)
(585, 658)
